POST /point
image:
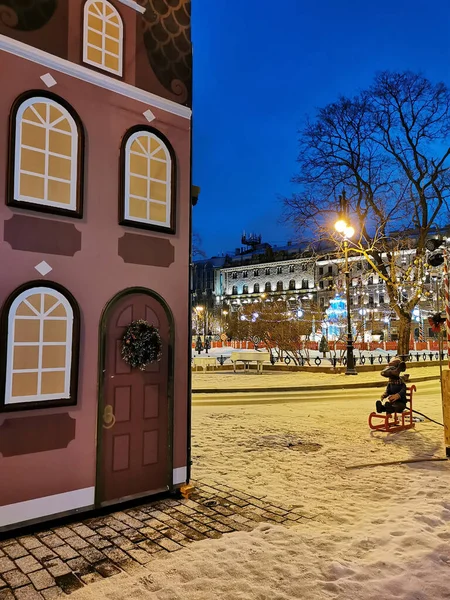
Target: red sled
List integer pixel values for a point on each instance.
(395, 421)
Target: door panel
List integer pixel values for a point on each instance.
(135, 412)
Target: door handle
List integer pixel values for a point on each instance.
(109, 420)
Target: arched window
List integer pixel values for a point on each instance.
(103, 36)
(235, 290)
(279, 286)
(292, 284)
(41, 347)
(268, 287)
(47, 151)
(305, 284)
(256, 288)
(149, 179)
(245, 289)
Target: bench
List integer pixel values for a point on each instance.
(204, 362)
(395, 421)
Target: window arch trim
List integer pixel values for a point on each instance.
(172, 187)
(7, 319)
(12, 198)
(97, 65)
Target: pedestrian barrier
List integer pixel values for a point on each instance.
(335, 361)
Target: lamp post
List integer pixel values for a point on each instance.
(199, 311)
(363, 313)
(347, 233)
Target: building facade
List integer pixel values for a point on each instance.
(309, 275)
(96, 163)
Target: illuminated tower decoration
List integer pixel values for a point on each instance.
(336, 314)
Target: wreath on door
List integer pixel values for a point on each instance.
(141, 344)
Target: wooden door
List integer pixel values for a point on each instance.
(135, 408)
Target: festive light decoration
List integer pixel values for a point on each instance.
(336, 314)
(447, 297)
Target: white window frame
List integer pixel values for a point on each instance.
(86, 28)
(168, 182)
(9, 399)
(72, 206)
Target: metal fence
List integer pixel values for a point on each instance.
(335, 361)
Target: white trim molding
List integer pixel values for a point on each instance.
(89, 76)
(21, 512)
(134, 5)
(179, 475)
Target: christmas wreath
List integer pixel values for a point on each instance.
(141, 344)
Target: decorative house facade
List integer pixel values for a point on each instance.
(95, 180)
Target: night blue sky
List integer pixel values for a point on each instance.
(261, 66)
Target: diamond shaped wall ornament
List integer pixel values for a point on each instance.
(43, 268)
(149, 116)
(49, 80)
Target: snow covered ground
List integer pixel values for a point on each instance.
(373, 533)
(272, 378)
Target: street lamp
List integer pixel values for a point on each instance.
(363, 313)
(199, 310)
(347, 233)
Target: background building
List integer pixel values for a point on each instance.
(308, 274)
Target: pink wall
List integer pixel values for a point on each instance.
(96, 273)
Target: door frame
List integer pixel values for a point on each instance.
(101, 385)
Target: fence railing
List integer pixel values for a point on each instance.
(430, 345)
(334, 361)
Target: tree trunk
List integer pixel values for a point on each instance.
(404, 334)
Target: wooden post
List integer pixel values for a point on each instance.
(446, 409)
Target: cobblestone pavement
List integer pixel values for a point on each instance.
(52, 563)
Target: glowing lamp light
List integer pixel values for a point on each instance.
(299, 313)
(349, 232)
(340, 226)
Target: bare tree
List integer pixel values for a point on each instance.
(197, 251)
(388, 147)
(277, 326)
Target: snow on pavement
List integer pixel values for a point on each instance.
(371, 534)
(228, 379)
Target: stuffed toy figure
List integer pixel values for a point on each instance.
(395, 392)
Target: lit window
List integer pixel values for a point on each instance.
(46, 156)
(148, 182)
(41, 336)
(103, 36)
